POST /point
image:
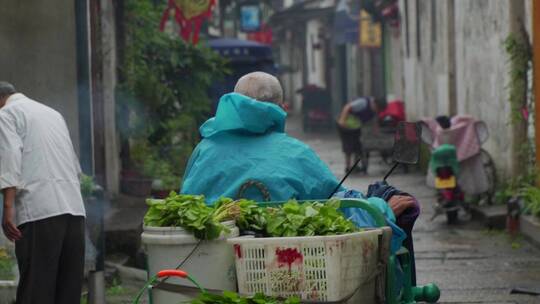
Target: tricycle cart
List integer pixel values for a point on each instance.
(376, 138)
(311, 271)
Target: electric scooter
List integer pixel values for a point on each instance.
(450, 197)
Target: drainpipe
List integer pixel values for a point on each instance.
(83, 84)
(536, 77)
(96, 279)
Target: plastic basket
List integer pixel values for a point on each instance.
(317, 268)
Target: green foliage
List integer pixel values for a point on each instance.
(229, 297)
(531, 197)
(308, 219)
(115, 289)
(148, 161)
(163, 94)
(7, 263)
(525, 187)
(292, 219)
(87, 186)
(189, 212)
(252, 217)
(514, 186)
(519, 53)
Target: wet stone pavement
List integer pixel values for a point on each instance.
(469, 263)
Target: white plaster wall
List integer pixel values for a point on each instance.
(38, 54)
(396, 64)
(315, 57)
(482, 70)
(481, 65)
(352, 72)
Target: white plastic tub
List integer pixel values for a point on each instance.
(211, 264)
(319, 268)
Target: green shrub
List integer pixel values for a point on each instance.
(163, 94)
(531, 198)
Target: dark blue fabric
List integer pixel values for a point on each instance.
(382, 190)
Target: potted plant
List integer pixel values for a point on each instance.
(530, 221)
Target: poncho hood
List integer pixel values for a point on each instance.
(237, 112)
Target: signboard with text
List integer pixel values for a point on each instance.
(370, 31)
(250, 18)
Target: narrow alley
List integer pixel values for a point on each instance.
(468, 262)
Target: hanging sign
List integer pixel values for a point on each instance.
(370, 31)
(250, 18)
(189, 14)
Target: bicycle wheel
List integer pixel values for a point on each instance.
(490, 171)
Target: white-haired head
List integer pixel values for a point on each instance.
(260, 86)
(6, 90)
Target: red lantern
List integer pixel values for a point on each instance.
(189, 14)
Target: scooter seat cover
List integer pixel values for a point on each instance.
(444, 156)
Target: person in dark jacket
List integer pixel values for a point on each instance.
(353, 115)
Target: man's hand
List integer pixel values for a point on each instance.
(8, 224)
(8, 221)
(400, 203)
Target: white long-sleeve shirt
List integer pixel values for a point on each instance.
(37, 157)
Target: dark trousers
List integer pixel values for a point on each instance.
(50, 256)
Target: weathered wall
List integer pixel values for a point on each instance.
(315, 56)
(424, 53)
(482, 70)
(394, 54)
(38, 54)
(480, 63)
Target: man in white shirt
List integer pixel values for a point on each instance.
(43, 208)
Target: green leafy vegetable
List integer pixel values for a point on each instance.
(205, 222)
(252, 217)
(308, 219)
(187, 211)
(226, 209)
(229, 297)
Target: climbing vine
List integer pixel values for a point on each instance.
(519, 55)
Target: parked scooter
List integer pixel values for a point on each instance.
(474, 170)
(450, 198)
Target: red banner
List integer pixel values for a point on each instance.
(189, 14)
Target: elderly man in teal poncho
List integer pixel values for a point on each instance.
(245, 146)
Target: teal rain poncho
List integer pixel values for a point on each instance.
(246, 141)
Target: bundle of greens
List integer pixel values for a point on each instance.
(252, 217)
(191, 213)
(307, 219)
(292, 219)
(229, 297)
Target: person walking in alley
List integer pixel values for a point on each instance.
(43, 209)
(351, 119)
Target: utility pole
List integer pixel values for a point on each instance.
(516, 11)
(536, 76)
